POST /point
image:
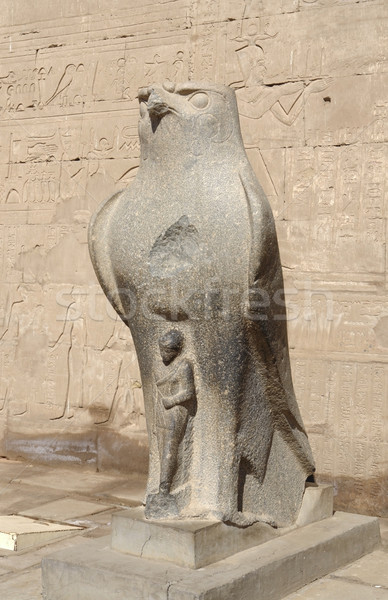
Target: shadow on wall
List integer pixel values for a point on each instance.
(362, 496)
(103, 450)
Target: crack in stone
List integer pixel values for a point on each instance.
(357, 581)
(144, 545)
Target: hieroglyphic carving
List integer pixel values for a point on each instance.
(67, 392)
(86, 81)
(69, 89)
(270, 115)
(341, 183)
(346, 436)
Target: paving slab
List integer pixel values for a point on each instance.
(10, 469)
(19, 533)
(32, 557)
(17, 497)
(75, 480)
(105, 518)
(335, 589)
(22, 586)
(4, 570)
(98, 525)
(131, 493)
(268, 572)
(97, 532)
(65, 509)
(371, 569)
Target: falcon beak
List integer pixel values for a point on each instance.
(153, 105)
(156, 105)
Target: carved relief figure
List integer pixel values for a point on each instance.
(178, 67)
(193, 228)
(174, 403)
(131, 74)
(41, 185)
(256, 99)
(74, 338)
(24, 342)
(155, 69)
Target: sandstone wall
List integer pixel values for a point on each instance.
(312, 85)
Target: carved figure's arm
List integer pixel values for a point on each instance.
(178, 398)
(256, 108)
(188, 391)
(267, 97)
(288, 117)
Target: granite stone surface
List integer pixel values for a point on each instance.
(188, 256)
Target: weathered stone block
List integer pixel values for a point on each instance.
(317, 504)
(191, 543)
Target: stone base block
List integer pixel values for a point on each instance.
(196, 543)
(266, 572)
(317, 504)
(191, 543)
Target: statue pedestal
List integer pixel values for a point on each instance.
(195, 543)
(197, 560)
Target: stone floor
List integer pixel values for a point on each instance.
(88, 499)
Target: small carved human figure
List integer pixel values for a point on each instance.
(174, 404)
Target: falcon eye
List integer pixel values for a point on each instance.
(200, 100)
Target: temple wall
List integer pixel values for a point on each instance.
(312, 85)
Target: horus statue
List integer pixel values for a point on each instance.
(188, 257)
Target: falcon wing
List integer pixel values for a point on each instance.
(99, 248)
(265, 276)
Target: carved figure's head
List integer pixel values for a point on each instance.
(170, 345)
(187, 118)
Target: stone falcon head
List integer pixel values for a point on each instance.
(187, 118)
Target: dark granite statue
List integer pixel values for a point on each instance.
(188, 256)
